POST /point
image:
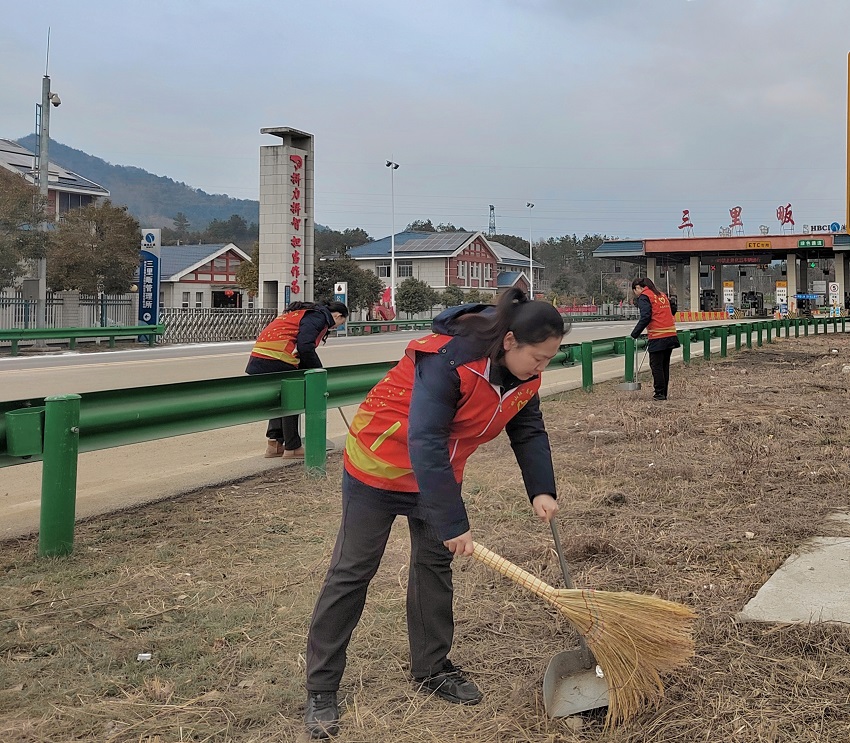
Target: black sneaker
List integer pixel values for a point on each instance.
(659, 397)
(322, 714)
(452, 685)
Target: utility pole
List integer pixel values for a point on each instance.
(530, 206)
(42, 118)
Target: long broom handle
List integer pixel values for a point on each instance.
(514, 573)
(568, 581)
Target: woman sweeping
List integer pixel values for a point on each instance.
(477, 374)
(656, 315)
(287, 343)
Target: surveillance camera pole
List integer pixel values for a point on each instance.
(43, 160)
(393, 166)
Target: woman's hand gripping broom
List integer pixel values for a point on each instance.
(635, 638)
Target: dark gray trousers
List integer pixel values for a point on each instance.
(659, 363)
(357, 554)
(285, 431)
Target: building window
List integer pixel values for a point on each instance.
(404, 269)
(199, 300)
(476, 271)
(382, 270)
(461, 270)
(162, 299)
(68, 201)
(185, 303)
(488, 272)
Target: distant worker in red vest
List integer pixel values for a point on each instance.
(287, 343)
(656, 316)
(476, 375)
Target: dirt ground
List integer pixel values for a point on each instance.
(698, 500)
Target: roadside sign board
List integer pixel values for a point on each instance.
(341, 295)
(149, 277)
(808, 243)
(834, 297)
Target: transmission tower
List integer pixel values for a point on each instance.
(491, 232)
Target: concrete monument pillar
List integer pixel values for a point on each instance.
(286, 219)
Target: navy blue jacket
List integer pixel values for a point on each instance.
(315, 321)
(434, 402)
(655, 344)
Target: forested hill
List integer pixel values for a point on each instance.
(153, 199)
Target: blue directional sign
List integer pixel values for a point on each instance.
(149, 277)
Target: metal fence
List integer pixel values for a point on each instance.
(212, 325)
(17, 312)
(104, 310)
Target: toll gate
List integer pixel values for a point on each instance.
(803, 273)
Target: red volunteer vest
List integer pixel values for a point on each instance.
(376, 448)
(277, 339)
(662, 324)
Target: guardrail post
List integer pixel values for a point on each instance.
(629, 353)
(587, 366)
(736, 329)
(805, 322)
(843, 324)
(724, 334)
(748, 330)
(769, 326)
(759, 335)
(315, 420)
(685, 341)
(59, 475)
(706, 343)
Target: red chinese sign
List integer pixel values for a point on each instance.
(783, 214)
(735, 214)
(686, 220)
(295, 208)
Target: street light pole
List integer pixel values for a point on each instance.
(530, 206)
(393, 166)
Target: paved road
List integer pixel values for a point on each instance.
(38, 376)
(115, 478)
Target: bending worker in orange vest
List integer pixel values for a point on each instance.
(287, 343)
(656, 315)
(477, 374)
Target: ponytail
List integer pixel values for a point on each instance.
(529, 320)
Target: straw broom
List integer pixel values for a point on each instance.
(635, 638)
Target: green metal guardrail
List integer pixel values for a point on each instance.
(56, 429)
(386, 326)
(391, 326)
(16, 335)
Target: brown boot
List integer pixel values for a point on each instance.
(273, 449)
(293, 453)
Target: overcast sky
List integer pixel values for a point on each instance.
(612, 116)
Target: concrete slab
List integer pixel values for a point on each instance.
(811, 587)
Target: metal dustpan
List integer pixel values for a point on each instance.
(573, 681)
(635, 385)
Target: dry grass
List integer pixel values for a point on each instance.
(218, 585)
